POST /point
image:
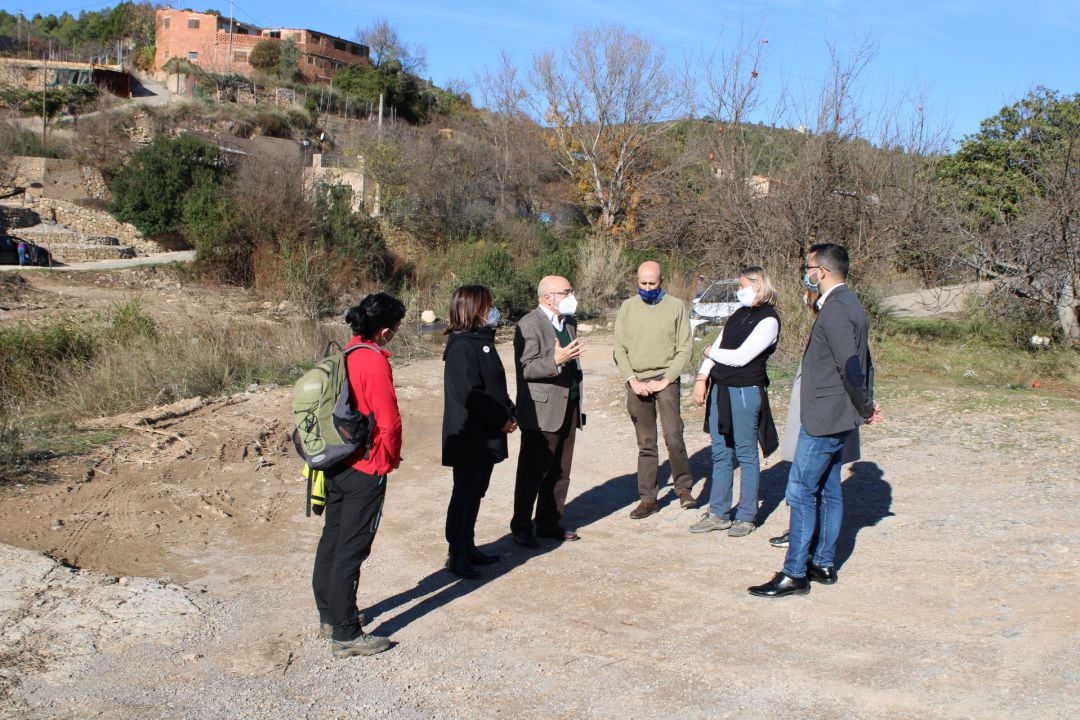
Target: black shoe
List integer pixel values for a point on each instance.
(823, 575)
(459, 564)
(780, 586)
(781, 541)
(558, 533)
(526, 539)
(476, 557)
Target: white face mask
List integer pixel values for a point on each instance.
(493, 317)
(746, 296)
(568, 305)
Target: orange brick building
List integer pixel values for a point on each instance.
(205, 40)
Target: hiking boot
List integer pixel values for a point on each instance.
(326, 630)
(780, 541)
(741, 528)
(686, 500)
(361, 645)
(644, 510)
(710, 522)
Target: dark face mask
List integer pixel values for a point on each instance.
(649, 296)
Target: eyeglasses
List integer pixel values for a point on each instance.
(568, 291)
(813, 267)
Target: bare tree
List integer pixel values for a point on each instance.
(607, 100)
(384, 46)
(518, 157)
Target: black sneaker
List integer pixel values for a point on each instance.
(781, 541)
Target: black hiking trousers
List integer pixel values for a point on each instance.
(354, 503)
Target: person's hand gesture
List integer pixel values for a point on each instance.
(572, 351)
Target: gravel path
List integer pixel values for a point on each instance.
(957, 595)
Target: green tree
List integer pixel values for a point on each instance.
(1015, 201)
(149, 191)
(288, 59)
(265, 55)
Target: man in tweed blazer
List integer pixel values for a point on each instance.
(546, 352)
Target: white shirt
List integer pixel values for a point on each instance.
(758, 341)
(821, 300)
(555, 318)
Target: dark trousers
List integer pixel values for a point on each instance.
(470, 485)
(354, 503)
(543, 475)
(644, 412)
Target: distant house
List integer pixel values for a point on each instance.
(220, 45)
(34, 74)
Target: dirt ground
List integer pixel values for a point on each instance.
(166, 574)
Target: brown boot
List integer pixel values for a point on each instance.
(644, 510)
(686, 500)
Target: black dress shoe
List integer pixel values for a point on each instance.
(780, 586)
(823, 575)
(558, 533)
(477, 557)
(459, 564)
(526, 539)
(780, 541)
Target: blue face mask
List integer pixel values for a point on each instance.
(649, 296)
(492, 318)
(810, 286)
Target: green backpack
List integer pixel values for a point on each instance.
(329, 429)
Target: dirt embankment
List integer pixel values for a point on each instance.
(957, 595)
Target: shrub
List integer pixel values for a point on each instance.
(149, 191)
(600, 276)
(494, 267)
(274, 124)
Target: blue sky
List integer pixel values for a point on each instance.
(961, 59)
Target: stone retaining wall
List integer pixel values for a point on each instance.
(95, 185)
(69, 253)
(89, 221)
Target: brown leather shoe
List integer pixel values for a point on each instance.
(644, 510)
(686, 500)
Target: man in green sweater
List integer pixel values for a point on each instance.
(652, 346)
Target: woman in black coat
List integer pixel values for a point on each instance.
(477, 417)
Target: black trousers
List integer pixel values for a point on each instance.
(543, 475)
(354, 503)
(470, 486)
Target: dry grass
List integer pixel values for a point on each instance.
(602, 273)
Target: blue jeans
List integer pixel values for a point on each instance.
(813, 492)
(742, 444)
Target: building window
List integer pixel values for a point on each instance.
(166, 22)
(310, 60)
(193, 24)
(355, 50)
(240, 56)
(193, 56)
(276, 34)
(339, 45)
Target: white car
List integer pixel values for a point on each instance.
(715, 305)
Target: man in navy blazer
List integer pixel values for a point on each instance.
(837, 395)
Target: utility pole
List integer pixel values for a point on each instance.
(44, 94)
(230, 33)
(377, 208)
